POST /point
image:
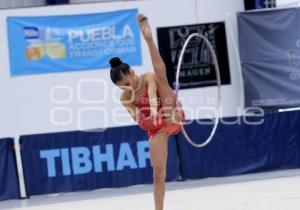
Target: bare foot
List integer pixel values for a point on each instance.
(144, 26)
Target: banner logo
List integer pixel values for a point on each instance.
(52, 44)
(197, 69)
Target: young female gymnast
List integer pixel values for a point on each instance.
(153, 105)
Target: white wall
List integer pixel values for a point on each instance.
(25, 102)
(285, 3)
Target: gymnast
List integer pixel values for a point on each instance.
(152, 104)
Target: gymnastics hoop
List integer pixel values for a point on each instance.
(217, 70)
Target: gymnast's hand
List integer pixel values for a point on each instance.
(144, 26)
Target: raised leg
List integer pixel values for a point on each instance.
(167, 95)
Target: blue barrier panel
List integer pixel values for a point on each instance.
(275, 144)
(9, 183)
(242, 147)
(73, 161)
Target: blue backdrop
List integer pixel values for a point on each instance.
(9, 184)
(72, 161)
(72, 42)
(242, 147)
(269, 50)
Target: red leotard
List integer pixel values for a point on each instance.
(142, 103)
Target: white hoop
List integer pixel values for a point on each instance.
(217, 70)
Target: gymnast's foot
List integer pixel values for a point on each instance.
(144, 26)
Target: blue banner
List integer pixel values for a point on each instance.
(48, 44)
(73, 161)
(270, 61)
(9, 183)
(242, 145)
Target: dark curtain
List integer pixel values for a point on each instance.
(54, 2)
(258, 4)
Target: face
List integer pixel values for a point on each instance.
(128, 82)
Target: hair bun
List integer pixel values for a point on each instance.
(115, 62)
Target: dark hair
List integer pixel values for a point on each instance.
(118, 69)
